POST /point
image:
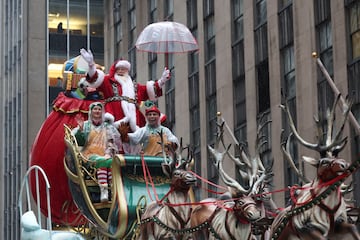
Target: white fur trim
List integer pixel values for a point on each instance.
(99, 80)
(129, 109)
(150, 90)
(123, 63)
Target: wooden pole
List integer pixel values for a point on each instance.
(352, 119)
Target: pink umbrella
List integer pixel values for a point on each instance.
(166, 37)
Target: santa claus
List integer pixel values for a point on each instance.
(121, 95)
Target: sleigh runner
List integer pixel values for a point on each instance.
(129, 190)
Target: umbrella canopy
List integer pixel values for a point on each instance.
(166, 37)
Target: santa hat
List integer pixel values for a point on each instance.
(123, 63)
(152, 109)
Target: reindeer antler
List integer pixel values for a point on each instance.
(251, 169)
(163, 146)
(333, 143)
(229, 181)
(285, 148)
(181, 162)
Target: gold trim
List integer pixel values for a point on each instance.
(121, 159)
(119, 195)
(69, 139)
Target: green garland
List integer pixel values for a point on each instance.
(199, 227)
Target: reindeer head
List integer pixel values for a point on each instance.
(328, 168)
(247, 206)
(177, 169)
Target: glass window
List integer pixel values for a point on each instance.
(152, 58)
(194, 101)
(263, 91)
(286, 35)
(208, 7)
(191, 6)
(68, 33)
(238, 22)
(195, 124)
(324, 48)
(210, 82)
(238, 70)
(117, 25)
(152, 11)
(355, 29)
(240, 102)
(238, 61)
(169, 10)
(284, 3)
(261, 57)
(261, 12)
(170, 105)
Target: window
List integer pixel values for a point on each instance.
(208, 7)
(261, 57)
(284, 3)
(169, 62)
(191, 6)
(325, 52)
(152, 61)
(152, 57)
(265, 133)
(170, 102)
(238, 71)
(237, 20)
(132, 36)
(194, 108)
(169, 10)
(288, 83)
(117, 25)
(194, 91)
(286, 35)
(132, 23)
(210, 81)
(354, 13)
(263, 91)
(152, 11)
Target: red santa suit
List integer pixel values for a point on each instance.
(122, 96)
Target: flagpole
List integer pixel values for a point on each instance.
(352, 119)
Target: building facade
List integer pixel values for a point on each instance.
(23, 94)
(252, 57)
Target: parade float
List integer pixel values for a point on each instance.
(151, 196)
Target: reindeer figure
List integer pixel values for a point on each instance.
(165, 220)
(319, 211)
(233, 219)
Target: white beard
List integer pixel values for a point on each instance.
(129, 109)
(126, 84)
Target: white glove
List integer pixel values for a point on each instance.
(88, 56)
(164, 77)
(109, 118)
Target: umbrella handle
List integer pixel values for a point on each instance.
(167, 60)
